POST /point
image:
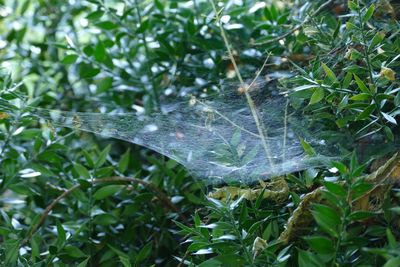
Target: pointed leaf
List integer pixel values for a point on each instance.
(361, 85)
(317, 96)
(369, 13)
(331, 75)
(389, 118)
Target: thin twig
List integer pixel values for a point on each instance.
(147, 53)
(162, 196)
(307, 19)
(226, 118)
(250, 101)
(285, 122)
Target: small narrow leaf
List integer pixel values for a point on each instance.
(125, 261)
(366, 112)
(389, 118)
(335, 188)
(360, 97)
(124, 161)
(361, 85)
(84, 263)
(82, 171)
(107, 25)
(397, 99)
(62, 237)
(106, 191)
(102, 157)
(388, 133)
(331, 75)
(317, 96)
(69, 59)
(320, 244)
(95, 15)
(353, 6)
(351, 26)
(327, 218)
(378, 37)
(307, 148)
(104, 85)
(347, 80)
(361, 215)
(369, 13)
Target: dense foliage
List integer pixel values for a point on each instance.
(123, 205)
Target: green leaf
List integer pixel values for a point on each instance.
(105, 219)
(144, 253)
(361, 85)
(360, 188)
(104, 85)
(107, 25)
(393, 262)
(361, 97)
(307, 148)
(69, 59)
(74, 252)
(106, 191)
(327, 218)
(96, 15)
(62, 237)
(100, 52)
(53, 250)
(377, 39)
(343, 103)
(352, 5)
(388, 133)
(391, 239)
(87, 71)
(82, 171)
(361, 215)
(235, 139)
(351, 26)
(369, 13)
(342, 122)
(143, 27)
(340, 166)
(125, 261)
(331, 75)
(11, 249)
(159, 5)
(397, 99)
(24, 7)
(389, 118)
(366, 112)
(84, 263)
(308, 259)
(317, 96)
(347, 80)
(35, 246)
(102, 157)
(251, 155)
(124, 161)
(320, 244)
(305, 87)
(335, 188)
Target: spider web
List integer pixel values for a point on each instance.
(216, 137)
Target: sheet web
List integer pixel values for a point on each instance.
(215, 138)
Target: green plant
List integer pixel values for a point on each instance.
(73, 198)
(357, 93)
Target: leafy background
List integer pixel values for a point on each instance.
(121, 56)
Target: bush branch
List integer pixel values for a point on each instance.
(297, 27)
(114, 179)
